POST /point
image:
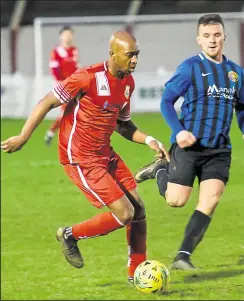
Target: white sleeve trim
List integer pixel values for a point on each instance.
(62, 95)
(57, 96)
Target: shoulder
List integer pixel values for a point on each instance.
(130, 83)
(81, 75)
(184, 69)
(237, 67)
(131, 80)
(190, 62)
(54, 50)
(95, 68)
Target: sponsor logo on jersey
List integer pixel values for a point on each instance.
(215, 91)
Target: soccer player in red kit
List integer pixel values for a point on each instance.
(63, 62)
(98, 103)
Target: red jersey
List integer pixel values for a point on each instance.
(63, 62)
(96, 100)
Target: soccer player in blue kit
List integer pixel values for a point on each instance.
(213, 88)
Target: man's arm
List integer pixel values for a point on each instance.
(168, 110)
(176, 87)
(15, 143)
(239, 107)
(78, 82)
(240, 116)
(129, 130)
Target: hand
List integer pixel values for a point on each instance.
(12, 144)
(185, 139)
(160, 149)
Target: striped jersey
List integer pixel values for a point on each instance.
(96, 100)
(211, 92)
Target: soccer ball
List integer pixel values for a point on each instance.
(151, 276)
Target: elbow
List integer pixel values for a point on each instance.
(165, 105)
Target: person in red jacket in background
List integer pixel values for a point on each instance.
(63, 62)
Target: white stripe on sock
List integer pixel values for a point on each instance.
(158, 172)
(188, 253)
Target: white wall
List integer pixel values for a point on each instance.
(160, 43)
(5, 52)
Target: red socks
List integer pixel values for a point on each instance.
(136, 233)
(100, 224)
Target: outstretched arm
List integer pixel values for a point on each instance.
(15, 143)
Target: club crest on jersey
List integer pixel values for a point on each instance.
(233, 76)
(127, 92)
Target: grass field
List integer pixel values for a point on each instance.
(37, 198)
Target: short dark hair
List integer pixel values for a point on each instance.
(210, 19)
(66, 27)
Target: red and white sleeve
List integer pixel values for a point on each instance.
(67, 90)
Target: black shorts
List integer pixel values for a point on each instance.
(198, 161)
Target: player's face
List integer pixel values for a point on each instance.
(211, 39)
(66, 38)
(127, 57)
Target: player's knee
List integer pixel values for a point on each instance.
(140, 213)
(176, 200)
(127, 215)
(177, 195)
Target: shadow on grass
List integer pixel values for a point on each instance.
(213, 275)
(239, 262)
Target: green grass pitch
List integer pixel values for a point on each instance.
(37, 198)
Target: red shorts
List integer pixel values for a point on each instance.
(102, 185)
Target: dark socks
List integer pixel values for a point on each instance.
(162, 180)
(194, 233)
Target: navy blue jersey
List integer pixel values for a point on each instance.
(211, 92)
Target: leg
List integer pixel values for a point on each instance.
(174, 181)
(213, 175)
(210, 192)
(136, 230)
(94, 183)
(136, 234)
